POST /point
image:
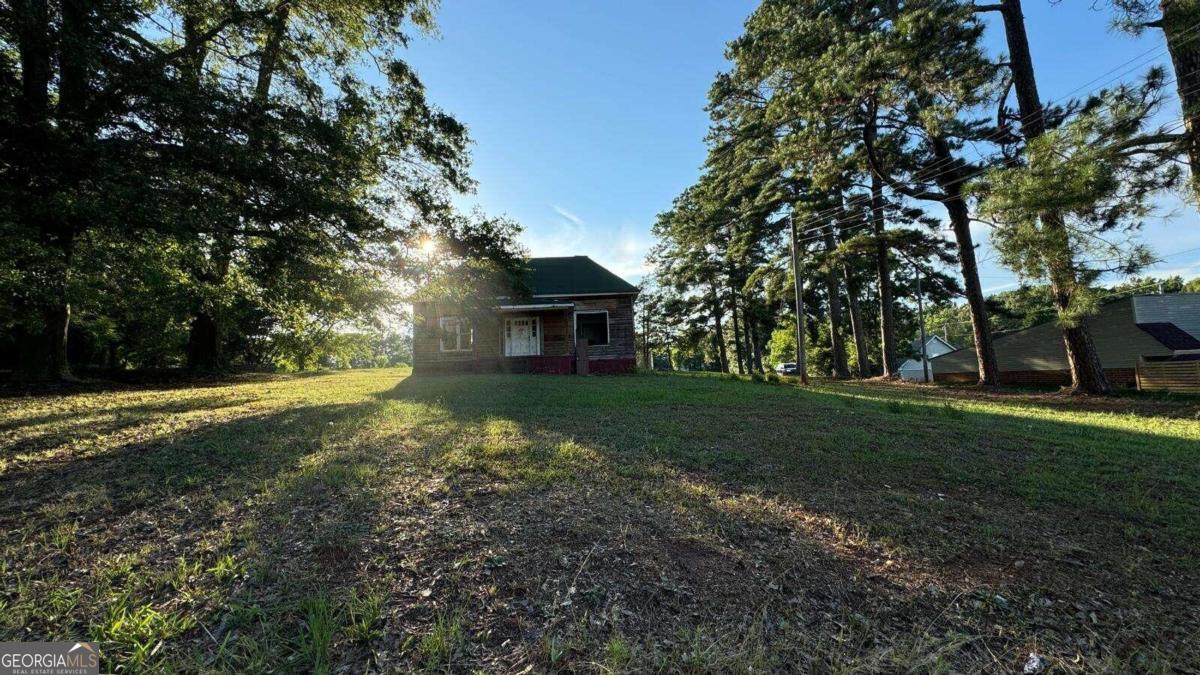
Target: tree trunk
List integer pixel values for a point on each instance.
(838, 346)
(646, 363)
(204, 352)
(887, 326)
(31, 19)
(719, 336)
(856, 323)
(950, 180)
(31, 22)
(798, 287)
(205, 340)
(738, 347)
(1179, 23)
(1087, 374)
(747, 333)
(204, 343)
(271, 53)
(756, 346)
(55, 228)
(57, 314)
(853, 307)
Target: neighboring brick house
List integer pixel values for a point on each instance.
(576, 310)
(1124, 331)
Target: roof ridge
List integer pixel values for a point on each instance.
(577, 274)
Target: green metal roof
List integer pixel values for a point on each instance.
(574, 275)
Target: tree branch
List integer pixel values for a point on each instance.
(877, 169)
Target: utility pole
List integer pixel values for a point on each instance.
(921, 323)
(798, 282)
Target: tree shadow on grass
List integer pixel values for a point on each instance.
(1153, 405)
(912, 514)
(231, 454)
(124, 381)
(496, 523)
(66, 426)
(206, 541)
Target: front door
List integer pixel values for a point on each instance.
(521, 337)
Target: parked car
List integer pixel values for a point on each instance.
(787, 369)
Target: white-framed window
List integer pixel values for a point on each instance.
(457, 334)
(592, 325)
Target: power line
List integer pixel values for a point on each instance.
(1191, 33)
(1175, 126)
(946, 164)
(1113, 293)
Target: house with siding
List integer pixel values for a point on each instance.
(935, 346)
(1125, 331)
(576, 318)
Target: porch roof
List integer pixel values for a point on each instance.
(536, 307)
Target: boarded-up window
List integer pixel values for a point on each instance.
(457, 334)
(593, 327)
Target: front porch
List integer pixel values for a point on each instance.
(536, 338)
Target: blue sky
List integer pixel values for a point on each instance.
(588, 117)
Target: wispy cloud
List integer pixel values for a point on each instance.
(1001, 287)
(574, 219)
(621, 248)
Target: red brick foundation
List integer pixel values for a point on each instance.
(554, 365)
(1117, 377)
(549, 365)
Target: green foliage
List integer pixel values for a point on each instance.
(782, 347)
(1096, 173)
(319, 618)
(194, 194)
(131, 635)
(444, 642)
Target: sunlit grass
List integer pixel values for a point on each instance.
(652, 522)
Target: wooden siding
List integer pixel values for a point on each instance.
(1181, 377)
(556, 334)
(427, 333)
(1118, 340)
(620, 326)
(1181, 309)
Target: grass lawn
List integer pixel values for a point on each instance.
(366, 520)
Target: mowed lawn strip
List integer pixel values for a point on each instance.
(370, 520)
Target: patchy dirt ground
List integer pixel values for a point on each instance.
(369, 521)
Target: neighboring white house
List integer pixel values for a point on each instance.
(935, 346)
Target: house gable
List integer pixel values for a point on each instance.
(1173, 320)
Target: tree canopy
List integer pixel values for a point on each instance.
(219, 183)
(867, 139)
